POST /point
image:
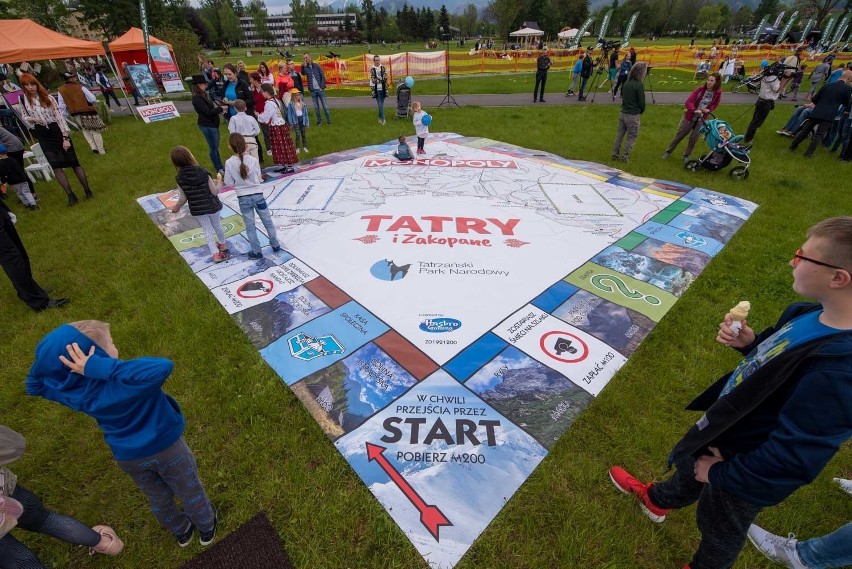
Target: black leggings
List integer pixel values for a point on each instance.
(36, 518)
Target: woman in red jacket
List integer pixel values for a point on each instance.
(700, 103)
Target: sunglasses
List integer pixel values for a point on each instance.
(798, 258)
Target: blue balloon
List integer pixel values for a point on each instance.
(426, 120)
(764, 63)
(409, 81)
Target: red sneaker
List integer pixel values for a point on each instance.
(629, 485)
(223, 247)
(219, 257)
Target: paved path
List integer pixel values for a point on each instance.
(514, 100)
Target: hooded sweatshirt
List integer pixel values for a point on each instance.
(125, 397)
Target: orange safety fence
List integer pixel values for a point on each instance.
(354, 72)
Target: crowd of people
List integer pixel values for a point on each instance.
(769, 427)
(275, 102)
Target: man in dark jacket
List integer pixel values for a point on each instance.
(585, 73)
(771, 425)
(315, 82)
(542, 64)
(16, 265)
(825, 104)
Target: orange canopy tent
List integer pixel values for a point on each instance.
(133, 40)
(24, 40)
(130, 49)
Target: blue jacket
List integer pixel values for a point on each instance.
(125, 397)
(291, 114)
(309, 71)
(778, 429)
(624, 68)
(578, 66)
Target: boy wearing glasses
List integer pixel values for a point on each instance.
(770, 426)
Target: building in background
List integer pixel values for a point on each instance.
(75, 25)
(281, 27)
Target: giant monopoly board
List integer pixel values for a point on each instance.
(446, 320)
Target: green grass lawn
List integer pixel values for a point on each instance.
(257, 447)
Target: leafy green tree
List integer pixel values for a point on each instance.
(767, 8)
(185, 46)
(505, 13)
(744, 18)
(304, 16)
(197, 25)
(350, 8)
(684, 14)
(444, 19)
(48, 13)
(660, 15)
(629, 8)
(469, 20)
(818, 9)
(572, 12)
(256, 9)
(369, 12)
(726, 16)
(232, 33)
(213, 35)
(539, 11)
(709, 17)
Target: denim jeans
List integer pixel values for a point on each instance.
(799, 116)
(170, 474)
(211, 135)
(832, 550)
(250, 204)
(318, 97)
(842, 140)
(380, 99)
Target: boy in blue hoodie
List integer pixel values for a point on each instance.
(77, 365)
(771, 425)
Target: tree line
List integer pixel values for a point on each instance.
(216, 22)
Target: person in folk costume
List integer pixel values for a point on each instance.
(41, 113)
(79, 102)
(283, 151)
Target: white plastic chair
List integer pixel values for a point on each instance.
(41, 167)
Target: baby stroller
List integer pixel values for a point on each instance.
(403, 101)
(724, 147)
(752, 83)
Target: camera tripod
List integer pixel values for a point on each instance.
(601, 67)
(650, 83)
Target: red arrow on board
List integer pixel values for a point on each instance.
(430, 516)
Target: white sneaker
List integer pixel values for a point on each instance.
(297, 151)
(305, 149)
(269, 153)
(779, 549)
(845, 484)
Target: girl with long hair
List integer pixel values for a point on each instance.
(699, 105)
(259, 103)
(265, 74)
(242, 171)
(200, 190)
(42, 115)
(283, 151)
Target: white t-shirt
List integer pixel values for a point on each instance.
(249, 186)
